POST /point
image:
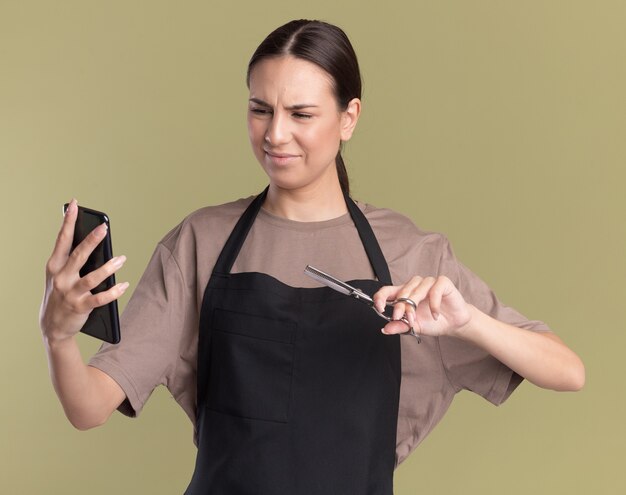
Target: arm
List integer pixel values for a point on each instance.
(542, 358)
(88, 396)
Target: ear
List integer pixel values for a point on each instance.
(349, 118)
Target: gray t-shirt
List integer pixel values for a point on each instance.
(160, 323)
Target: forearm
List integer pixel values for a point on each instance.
(88, 396)
(540, 357)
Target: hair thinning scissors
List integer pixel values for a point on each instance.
(348, 290)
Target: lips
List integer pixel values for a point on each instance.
(278, 155)
(280, 159)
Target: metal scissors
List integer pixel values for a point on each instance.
(348, 290)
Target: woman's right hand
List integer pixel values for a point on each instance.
(67, 299)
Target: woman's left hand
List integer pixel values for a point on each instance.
(540, 357)
(441, 309)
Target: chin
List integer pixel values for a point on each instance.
(296, 177)
(283, 179)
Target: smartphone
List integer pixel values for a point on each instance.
(104, 321)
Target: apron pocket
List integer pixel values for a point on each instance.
(251, 366)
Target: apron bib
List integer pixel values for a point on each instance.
(298, 389)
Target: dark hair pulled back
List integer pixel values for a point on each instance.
(328, 47)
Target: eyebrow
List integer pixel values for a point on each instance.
(299, 106)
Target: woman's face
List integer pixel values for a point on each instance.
(294, 123)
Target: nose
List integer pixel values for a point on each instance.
(277, 132)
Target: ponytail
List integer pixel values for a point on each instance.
(343, 174)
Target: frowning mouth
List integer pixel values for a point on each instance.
(280, 159)
(279, 155)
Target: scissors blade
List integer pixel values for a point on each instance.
(348, 290)
(336, 284)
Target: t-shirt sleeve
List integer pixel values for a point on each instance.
(151, 326)
(468, 367)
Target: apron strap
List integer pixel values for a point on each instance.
(233, 245)
(372, 248)
(236, 239)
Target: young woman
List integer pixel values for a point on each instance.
(293, 388)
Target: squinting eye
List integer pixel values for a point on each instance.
(302, 115)
(260, 111)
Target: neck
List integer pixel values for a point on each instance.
(315, 204)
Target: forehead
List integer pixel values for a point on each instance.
(290, 80)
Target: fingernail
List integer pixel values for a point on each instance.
(383, 331)
(70, 206)
(123, 287)
(436, 315)
(119, 260)
(103, 228)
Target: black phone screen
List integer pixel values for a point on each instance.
(85, 223)
(103, 322)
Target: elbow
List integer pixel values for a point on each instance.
(84, 426)
(569, 368)
(84, 423)
(578, 377)
(565, 378)
(574, 381)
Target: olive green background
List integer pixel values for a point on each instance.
(502, 124)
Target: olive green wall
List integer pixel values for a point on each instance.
(502, 124)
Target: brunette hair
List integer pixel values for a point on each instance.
(328, 47)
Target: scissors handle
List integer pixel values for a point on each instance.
(404, 318)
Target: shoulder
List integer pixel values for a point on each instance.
(408, 249)
(214, 221)
(195, 243)
(399, 236)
